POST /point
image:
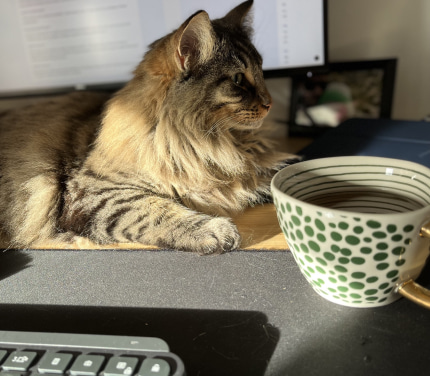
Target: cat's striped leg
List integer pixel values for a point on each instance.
(120, 215)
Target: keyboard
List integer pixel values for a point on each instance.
(54, 354)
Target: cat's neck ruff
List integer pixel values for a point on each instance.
(127, 140)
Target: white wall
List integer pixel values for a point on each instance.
(374, 29)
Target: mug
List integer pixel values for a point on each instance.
(358, 227)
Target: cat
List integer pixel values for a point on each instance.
(164, 161)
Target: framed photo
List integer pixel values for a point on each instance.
(360, 89)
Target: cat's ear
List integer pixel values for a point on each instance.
(241, 16)
(196, 41)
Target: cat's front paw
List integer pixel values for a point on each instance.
(217, 236)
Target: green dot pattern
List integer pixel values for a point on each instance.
(348, 260)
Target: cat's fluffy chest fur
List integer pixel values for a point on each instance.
(170, 154)
(216, 172)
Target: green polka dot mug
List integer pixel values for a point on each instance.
(358, 227)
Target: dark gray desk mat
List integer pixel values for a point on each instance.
(243, 313)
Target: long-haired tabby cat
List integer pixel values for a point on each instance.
(163, 162)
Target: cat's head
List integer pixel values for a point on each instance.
(211, 73)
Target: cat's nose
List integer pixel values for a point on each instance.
(267, 106)
(266, 100)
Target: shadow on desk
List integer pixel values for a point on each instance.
(208, 342)
(12, 262)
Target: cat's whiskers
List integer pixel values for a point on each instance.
(219, 125)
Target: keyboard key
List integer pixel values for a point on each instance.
(154, 367)
(120, 366)
(87, 365)
(19, 361)
(54, 363)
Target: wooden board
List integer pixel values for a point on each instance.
(260, 229)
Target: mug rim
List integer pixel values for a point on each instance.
(325, 210)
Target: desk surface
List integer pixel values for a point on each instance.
(241, 313)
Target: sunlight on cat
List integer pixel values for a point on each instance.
(166, 161)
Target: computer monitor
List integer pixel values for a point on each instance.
(59, 45)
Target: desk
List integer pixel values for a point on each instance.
(242, 313)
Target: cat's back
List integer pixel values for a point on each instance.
(42, 136)
(40, 147)
(56, 116)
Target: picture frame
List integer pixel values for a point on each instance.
(360, 89)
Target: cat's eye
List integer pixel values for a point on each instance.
(238, 78)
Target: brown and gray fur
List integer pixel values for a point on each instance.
(164, 162)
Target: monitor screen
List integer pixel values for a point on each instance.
(53, 45)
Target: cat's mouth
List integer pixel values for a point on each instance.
(244, 118)
(248, 122)
(253, 117)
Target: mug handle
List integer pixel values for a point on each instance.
(412, 290)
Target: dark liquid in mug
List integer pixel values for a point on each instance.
(365, 201)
